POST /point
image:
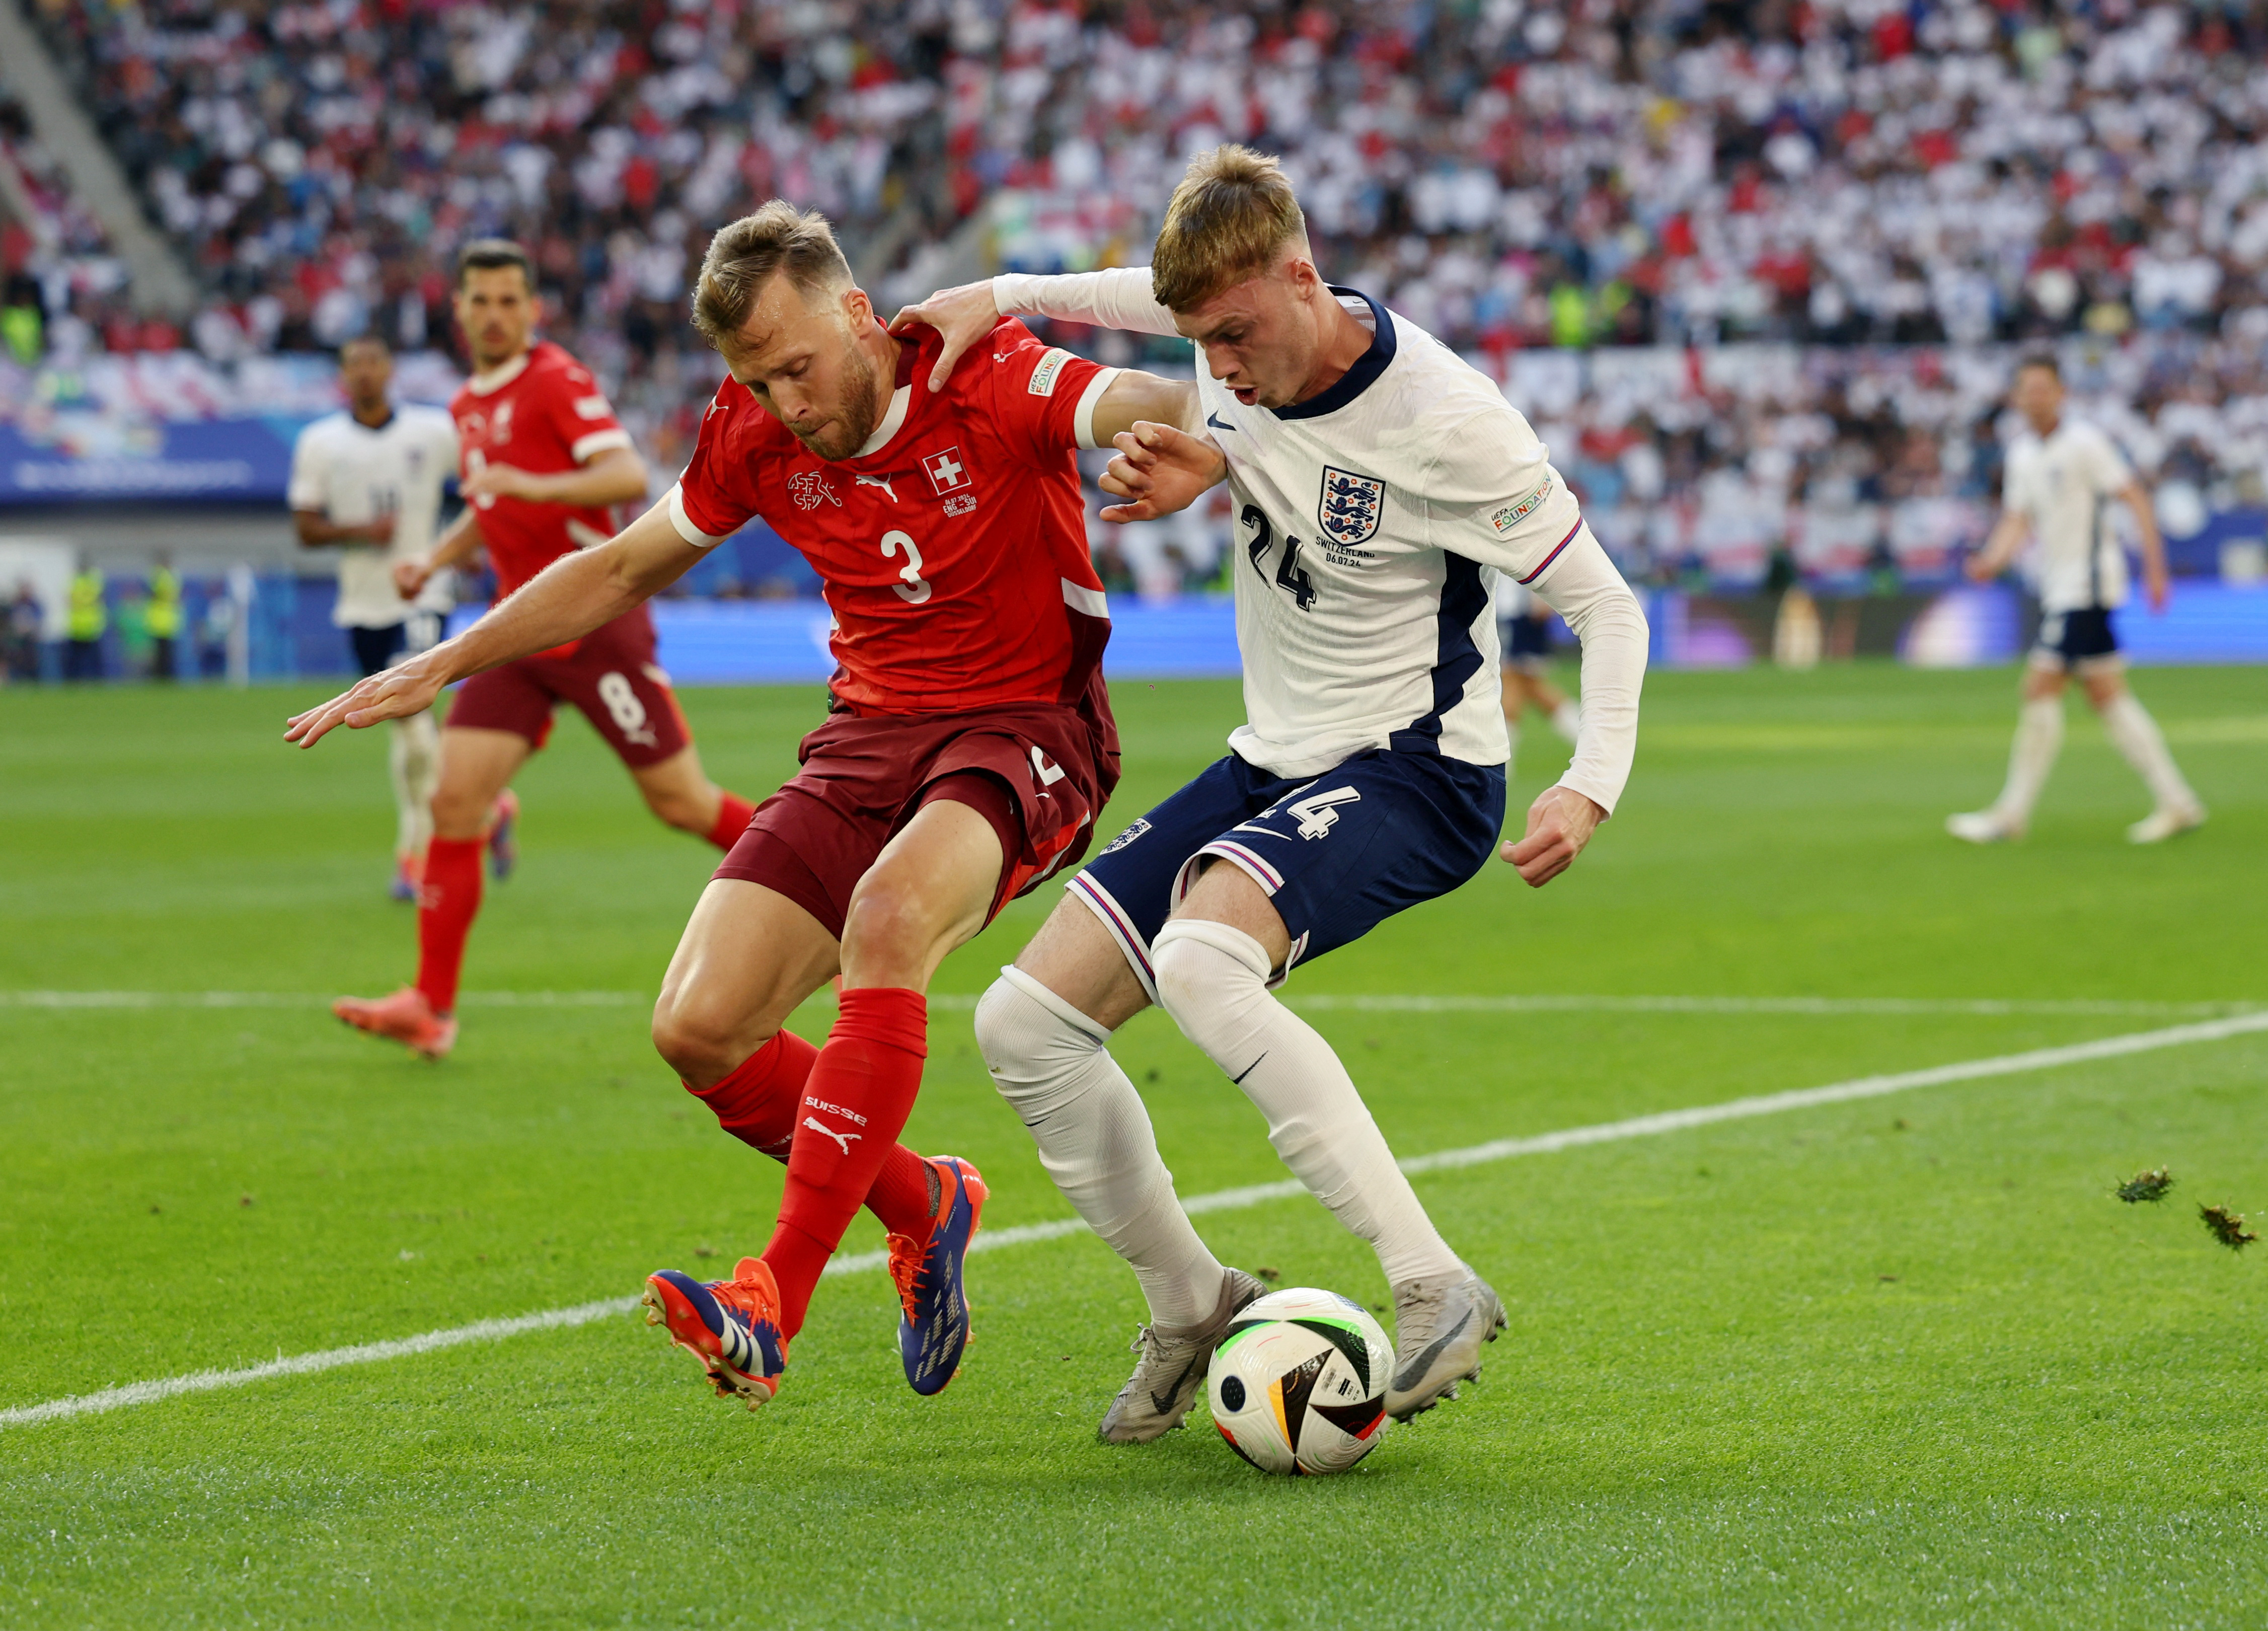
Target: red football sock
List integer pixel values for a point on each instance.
(448, 898)
(733, 814)
(758, 1104)
(855, 1103)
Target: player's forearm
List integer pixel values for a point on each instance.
(575, 594)
(2145, 524)
(459, 544)
(315, 530)
(615, 477)
(1117, 298)
(1583, 586)
(2000, 546)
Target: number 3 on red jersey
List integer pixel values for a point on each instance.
(915, 588)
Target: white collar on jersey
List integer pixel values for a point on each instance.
(496, 379)
(893, 422)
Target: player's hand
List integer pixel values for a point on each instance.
(394, 694)
(1559, 824)
(411, 576)
(2154, 585)
(502, 481)
(1159, 469)
(961, 317)
(1981, 568)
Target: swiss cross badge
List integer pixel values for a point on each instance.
(947, 471)
(1349, 508)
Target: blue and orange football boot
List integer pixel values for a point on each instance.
(732, 1326)
(502, 837)
(935, 1326)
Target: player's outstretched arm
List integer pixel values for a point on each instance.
(568, 599)
(1119, 298)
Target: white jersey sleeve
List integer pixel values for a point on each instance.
(1493, 496)
(1120, 298)
(2102, 466)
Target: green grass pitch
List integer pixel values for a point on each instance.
(1902, 1361)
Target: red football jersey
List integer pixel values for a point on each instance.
(952, 548)
(544, 413)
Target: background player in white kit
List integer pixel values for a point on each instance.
(369, 477)
(2062, 476)
(1380, 485)
(1523, 634)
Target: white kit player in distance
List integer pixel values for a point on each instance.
(2062, 476)
(1379, 486)
(369, 478)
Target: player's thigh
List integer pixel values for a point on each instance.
(748, 957)
(2105, 680)
(930, 890)
(2044, 679)
(476, 766)
(1074, 957)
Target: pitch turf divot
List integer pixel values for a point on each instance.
(1218, 1201)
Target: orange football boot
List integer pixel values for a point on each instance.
(732, 1326)
(405, 1017)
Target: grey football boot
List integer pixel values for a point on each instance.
(1439, 1327)
(1172, 1368)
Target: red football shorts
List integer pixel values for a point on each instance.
(609, 674)
(1035, 772)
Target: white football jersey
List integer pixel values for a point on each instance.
(1370, 524)
(2063, 484)
(352, 473)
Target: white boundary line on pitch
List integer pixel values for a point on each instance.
(1218, 1201)
(1322, 1002)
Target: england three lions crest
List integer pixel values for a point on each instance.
(1349, 507)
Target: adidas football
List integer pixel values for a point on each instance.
(1299, 1384)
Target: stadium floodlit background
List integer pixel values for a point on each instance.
(1757, 272)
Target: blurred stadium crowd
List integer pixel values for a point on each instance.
(1758, 270)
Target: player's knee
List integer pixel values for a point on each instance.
(1209, 975)
(888, 926)
(1029, 1039)
(461, 812)
(700, 1044)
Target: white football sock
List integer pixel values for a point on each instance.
(2039, 738)
(2137, 735)
(1567, 719)
(1214, 981)
(414, 757)
(1052, 1064)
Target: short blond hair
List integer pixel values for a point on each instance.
(1231, 219)
(778, 239)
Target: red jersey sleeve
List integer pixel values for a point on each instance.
(583, 416)
(1041, 398)
(717, 495)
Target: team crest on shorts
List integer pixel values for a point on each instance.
(1351, 506)
(1141, 825)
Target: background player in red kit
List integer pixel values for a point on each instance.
(544, 465)
(967, 755)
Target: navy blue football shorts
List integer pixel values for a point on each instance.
(1337, 854)
(2068, 639)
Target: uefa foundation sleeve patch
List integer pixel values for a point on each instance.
(1049, 368)
(1512, 515)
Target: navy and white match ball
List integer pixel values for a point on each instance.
(1299, 1384)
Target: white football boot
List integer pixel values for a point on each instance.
(1439, 1327)
(1984, 827)
(1172, 1368)
(2164, 822)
